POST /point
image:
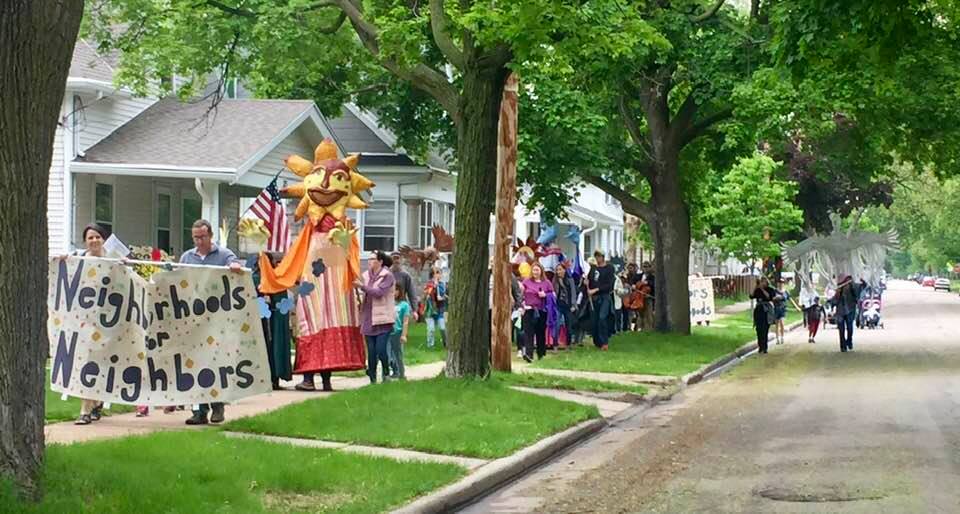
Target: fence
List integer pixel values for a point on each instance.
(733, 286)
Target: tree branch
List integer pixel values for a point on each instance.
(370, 88)
(421, 76)
(683, 120)
(332, 29)
(236, 11)
(630, 204)
(440, 26)
(633, 128)
(496, 58)
(703, 125)
(710, 13)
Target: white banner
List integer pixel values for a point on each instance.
(190, 335)
(702, 307)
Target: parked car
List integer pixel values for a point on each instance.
(928, 281)
(942, 283)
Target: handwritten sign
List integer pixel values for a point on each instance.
(191, 335)
(701, 300)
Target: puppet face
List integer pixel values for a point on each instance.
(330, 185)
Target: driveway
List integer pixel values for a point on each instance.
(802, 429)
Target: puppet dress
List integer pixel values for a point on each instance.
(327, 315)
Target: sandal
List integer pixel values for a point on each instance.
(84, 419)
(96, 413)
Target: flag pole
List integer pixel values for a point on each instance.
(240, 217)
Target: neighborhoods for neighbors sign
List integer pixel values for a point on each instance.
(701, 300)
(191, 335)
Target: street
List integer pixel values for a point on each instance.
(802, 429)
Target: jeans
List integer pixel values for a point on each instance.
(845, 325)
(395, 353)
(377, 351)
(432, 325)
(602, 310)
(535, 329)
(626, 318)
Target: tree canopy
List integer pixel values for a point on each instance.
(754, 210)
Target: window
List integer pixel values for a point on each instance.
(378, 226)
(192, 211)
(426, 224)
(164, 204)
(533, 230)
(445, 217)
(103, 206)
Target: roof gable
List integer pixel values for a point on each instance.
(182, 134)
(86, 63)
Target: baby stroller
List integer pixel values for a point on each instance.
(870, 313)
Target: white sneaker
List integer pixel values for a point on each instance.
(520, 353)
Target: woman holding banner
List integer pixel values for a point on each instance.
(93, 238)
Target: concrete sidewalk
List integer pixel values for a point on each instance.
(121, 425)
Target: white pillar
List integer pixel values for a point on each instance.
(210, 210)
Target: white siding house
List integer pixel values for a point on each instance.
(146, 168)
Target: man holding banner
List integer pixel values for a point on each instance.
(183, 336)
(206, 253)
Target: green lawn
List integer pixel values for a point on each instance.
(208, 472)
(545, 381)
(415, 352)
(662, 354)
(720, 303)
(69, 409)
(474, 418)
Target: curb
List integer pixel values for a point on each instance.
(739, 353)
(493, 475)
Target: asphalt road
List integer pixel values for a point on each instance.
(802, 429)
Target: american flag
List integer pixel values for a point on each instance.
(270, 209)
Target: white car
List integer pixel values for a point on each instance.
(942, 283)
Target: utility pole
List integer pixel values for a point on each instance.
(502, 306)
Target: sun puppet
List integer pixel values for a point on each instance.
(323, 262)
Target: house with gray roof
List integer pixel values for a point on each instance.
(146, 168)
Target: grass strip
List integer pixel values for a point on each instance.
(474, 418)
(652, 353)
(207, 472)
(545, 381)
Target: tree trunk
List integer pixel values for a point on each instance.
(671, 232)
(37, 39)
(468, 326)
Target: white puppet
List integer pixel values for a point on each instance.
(852, 252)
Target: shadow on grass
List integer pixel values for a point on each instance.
(667, 354)
(473, 418)
(207, 472)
